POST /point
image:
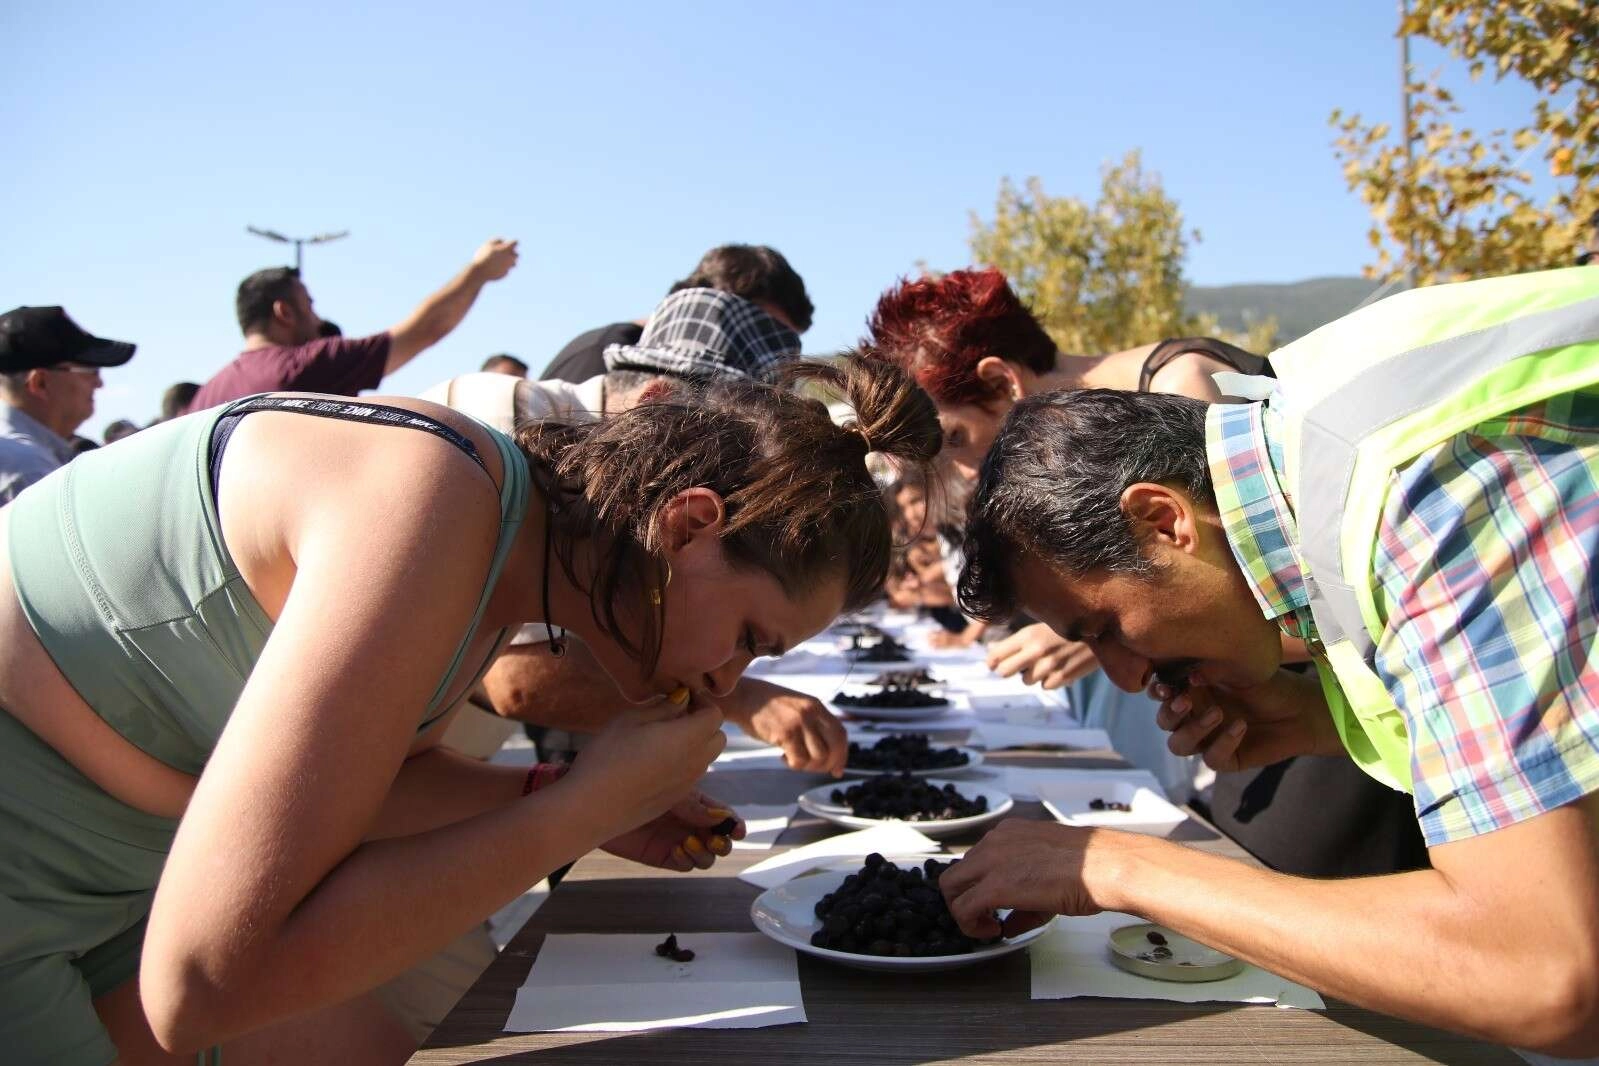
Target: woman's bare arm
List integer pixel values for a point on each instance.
(271, 902)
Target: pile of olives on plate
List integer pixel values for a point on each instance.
(884, 909)
(903, 752)
(901, 797)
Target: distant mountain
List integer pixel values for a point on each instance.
(1299, 306)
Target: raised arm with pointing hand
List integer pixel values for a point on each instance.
(440, 313)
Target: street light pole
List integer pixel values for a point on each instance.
(298, 242)
(1411, 255)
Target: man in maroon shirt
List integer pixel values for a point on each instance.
(285, 352)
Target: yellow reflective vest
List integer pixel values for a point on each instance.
(1366, 394)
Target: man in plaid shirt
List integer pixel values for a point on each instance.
(1170, 537)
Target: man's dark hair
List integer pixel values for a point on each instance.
(1052, 483)
(176, 399)
(504, 360)
(757, 273)
(259, 291)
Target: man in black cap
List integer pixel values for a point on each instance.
(49, 371)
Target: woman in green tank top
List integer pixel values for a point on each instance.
(223, 816)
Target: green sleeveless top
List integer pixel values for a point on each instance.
(120, 566)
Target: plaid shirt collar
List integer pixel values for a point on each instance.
(1244, 447)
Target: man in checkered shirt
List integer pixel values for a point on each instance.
(1169, 536)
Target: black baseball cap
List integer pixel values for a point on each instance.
(33, 338)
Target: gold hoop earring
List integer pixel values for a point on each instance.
(656, 593)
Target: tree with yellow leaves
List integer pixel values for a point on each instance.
(1460, 204)
(1105, 276)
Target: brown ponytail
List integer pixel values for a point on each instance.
(800, 502)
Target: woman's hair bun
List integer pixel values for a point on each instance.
(893, 416)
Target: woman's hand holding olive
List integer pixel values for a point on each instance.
(683, 838)
(1239, 728)
(646, 761)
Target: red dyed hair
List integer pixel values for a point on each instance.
(938, 329)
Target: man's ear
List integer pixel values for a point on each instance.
(1000, 376)
(691, 514)
(659, 390)
(283, 312)
(1162, 516)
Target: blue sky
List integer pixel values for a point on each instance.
(618, 141)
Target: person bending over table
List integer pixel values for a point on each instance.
(223, 817)
(975, 347)
(969, 340)
(695, 334)
(1419, 503)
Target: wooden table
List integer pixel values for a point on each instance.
(977, 1015)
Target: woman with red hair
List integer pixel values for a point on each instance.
(968, 339)
(971, 343)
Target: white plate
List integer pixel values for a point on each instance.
(894, 714)
(738, 740)
(1068, 800)
(818, 801)
(787, 914)
(974, 758)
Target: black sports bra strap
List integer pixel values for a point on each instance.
(328, 407)
(1233, 356)
(355, 411)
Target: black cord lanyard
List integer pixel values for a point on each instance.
(557, 644)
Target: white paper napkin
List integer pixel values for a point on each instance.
(1072, 960)
(763, 824)
(898, 839)
(615, 983)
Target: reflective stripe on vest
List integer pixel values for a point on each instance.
(1523, 339)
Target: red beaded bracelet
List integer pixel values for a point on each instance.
(541, 774)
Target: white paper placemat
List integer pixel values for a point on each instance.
(615, 983)
(887, 839)
(1072, 960)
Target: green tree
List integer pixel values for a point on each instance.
(1467, 206)
(1102, 276)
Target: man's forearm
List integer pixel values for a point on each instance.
(1416, 945)
(529, 684)
(435, 317)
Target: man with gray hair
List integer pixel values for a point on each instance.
(1417, 499)
(49, 371)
